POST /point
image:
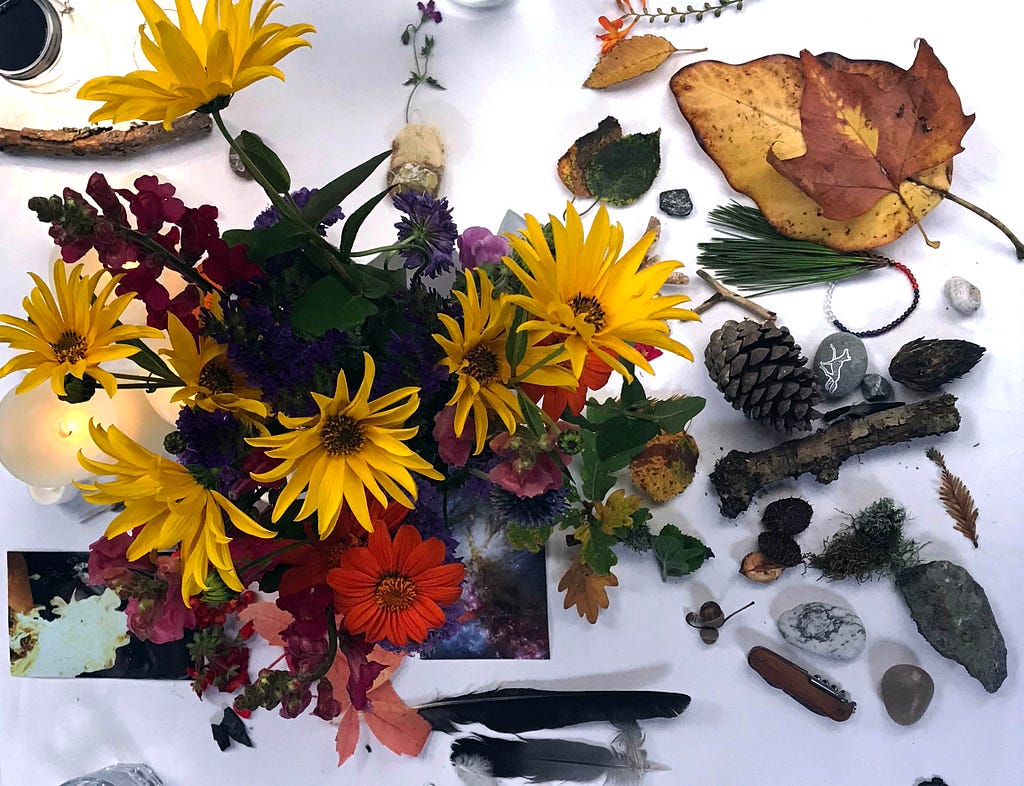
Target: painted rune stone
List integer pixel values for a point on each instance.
(907, 691)
(840, 364)
(824, 629)
(676, 202)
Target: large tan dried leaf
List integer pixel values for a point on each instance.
(740, 112)
(628, 59)
(585, 590)
(956, 499)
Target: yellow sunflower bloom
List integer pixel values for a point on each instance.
(589, 297)
(475, 352)
(210, 382)
(353, 445)
(70, 330)
(196, 61)
(168, 507)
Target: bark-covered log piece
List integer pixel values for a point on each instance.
(101, 141)
(739, 476)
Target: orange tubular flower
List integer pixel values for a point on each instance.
(554, 400)
(394, 590)
(615, 32)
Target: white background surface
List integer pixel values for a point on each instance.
(513, 105)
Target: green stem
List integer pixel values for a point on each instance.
(540, 363)
(159, 366)
(149, 386)
(287, 208)
(269, 555)
(332, 648)
(137, 377)
(1017, 245)
(179, 265)
(382, 249)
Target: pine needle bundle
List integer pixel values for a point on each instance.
(757, 259)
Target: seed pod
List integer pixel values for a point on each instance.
(780, 549)
(789, 516)
(925, 364)
(757, 568)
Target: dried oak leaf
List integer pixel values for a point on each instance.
(864, 138)
(628, 59)
(739, 112)
(572, 166)
(585, 590)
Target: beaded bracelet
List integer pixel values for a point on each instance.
(887, 327)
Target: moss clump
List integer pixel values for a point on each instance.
(872, 545)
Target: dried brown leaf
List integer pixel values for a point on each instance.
(956, 499)
(572, 166)
(628, 59)
(585, 590)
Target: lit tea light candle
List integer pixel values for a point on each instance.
(40, 436)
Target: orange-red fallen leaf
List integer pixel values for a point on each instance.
(268, 620)
(585, 590)
(394, 723)
(348, 734)
(863, 137)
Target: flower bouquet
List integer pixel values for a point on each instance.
(333, 420)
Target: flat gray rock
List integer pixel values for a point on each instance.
(953, 613)
(824, 629)
(875, 387)
(907, 691)
(840, 364)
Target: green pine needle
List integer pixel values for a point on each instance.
(756, 258)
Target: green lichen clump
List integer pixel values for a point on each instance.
(871, 546)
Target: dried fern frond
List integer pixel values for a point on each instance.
(956, 499)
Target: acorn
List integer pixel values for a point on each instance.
(757, 567)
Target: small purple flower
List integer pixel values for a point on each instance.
(429, 227)
(270, 216)
(427, 11)
(479, 246)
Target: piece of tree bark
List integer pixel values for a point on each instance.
(100, 141)
(739, 476)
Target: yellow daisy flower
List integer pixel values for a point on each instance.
(210, 382)
(196, 61)
(590, 297)
(168, 507)
(353, 445)
(70, 330)
(475, 352)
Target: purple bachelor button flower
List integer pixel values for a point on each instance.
(429, 227)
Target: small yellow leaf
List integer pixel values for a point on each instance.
(586, 590)
(628, 59)
(617, 511)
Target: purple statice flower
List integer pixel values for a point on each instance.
(270, 216)
(539, 511)
(427, 11)
(479, 246)
(213, 441)
(429, 229)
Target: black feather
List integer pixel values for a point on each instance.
(543, 761)
(515, 710)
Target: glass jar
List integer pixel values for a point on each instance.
(30, 36)
(118, 775)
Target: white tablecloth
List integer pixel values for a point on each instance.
(513, 105)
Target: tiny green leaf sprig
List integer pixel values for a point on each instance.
(420, 53)
(674, 13)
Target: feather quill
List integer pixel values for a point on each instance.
(515, 710)
(956, 499)
(544, 760)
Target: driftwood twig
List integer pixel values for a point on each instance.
(101, 141)
(739, 476)
(722, 292)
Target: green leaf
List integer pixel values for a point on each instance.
(595, 477)
(531, 539)
(334, 193)
(376, 283)
(600, 411)
(597, 551)
(678, 554)
(265, 161)
(355, 221)
(633, 395)
(623, 170)
(281, 238)
(624, 435)
(516, 342)
(327, 304)
(673, 414)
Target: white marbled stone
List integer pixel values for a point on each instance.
(962, 295)
(824, 629)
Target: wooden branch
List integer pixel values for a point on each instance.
(739, 476)
(100, 141)
(722, 292)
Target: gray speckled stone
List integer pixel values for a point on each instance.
(824, 629)
(840, 364)
(962, 295)
(875, 387)
(907, 691)
(676, 202)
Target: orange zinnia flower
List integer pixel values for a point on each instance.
(394, 590)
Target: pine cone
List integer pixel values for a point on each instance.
(759, 369)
